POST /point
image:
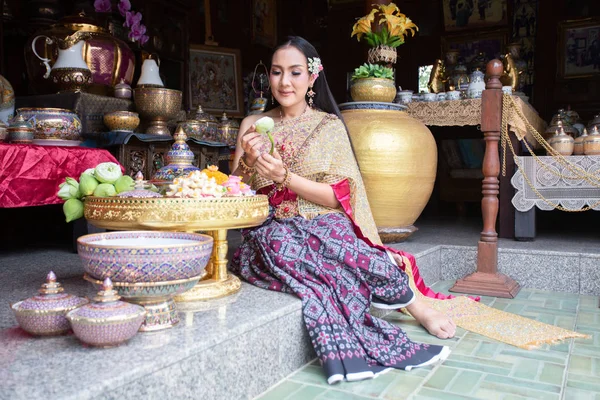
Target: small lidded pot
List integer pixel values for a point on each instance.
(591, 144)
(123, 90)
(44, 314)
(108, 321)
(562, 143)
(20, 131)
(578, 147)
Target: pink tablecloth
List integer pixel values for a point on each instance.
(30, 174)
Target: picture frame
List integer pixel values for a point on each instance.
(216, 80)
(579, 48)
(491, 43)
(460, 15)
(264, 22)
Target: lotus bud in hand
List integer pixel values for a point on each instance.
(264, 126)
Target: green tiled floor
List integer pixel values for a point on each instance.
(481, 368)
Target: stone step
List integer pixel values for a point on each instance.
(231, 348)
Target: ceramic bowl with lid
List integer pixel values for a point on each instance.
(122, 90)
(44, 314)
(201, 125)
(144, 256)
(53, 123)
(106, 322)
(20, 131)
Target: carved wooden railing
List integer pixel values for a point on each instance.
(486, 280)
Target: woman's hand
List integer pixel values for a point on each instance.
(253, 144)
(270, 167)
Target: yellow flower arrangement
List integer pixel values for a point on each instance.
(212, 171)
(392, 34)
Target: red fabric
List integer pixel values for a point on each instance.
(342, 193)
(279, 196)
(30, 174)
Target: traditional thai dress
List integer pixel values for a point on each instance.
(332, 258)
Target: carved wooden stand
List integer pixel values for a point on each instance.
(486, 280)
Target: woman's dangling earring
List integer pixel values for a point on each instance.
(272, 99)
(310, 95)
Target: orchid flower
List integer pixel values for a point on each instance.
(124, 6)
(132, 18)
(102, 6)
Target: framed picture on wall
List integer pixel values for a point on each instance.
(216, 80)
(474, 14)
(579, 48)
(264, 22)
(491, 44)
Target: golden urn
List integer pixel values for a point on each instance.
(397, 156)
(373, 89)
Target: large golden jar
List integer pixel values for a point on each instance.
(397, 156)
(110, 59)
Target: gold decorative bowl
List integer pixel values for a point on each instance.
(125, 121)
(157, 105)
(373, 89)
(176, 214)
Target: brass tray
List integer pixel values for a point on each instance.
(176, 214)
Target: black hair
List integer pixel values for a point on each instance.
(323, 99)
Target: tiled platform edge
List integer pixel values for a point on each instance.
(544, 270)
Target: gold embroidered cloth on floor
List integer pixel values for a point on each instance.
(467, 112)
(500, 325)
(505, 327)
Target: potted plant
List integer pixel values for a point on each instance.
(384, 29)
(373, 82)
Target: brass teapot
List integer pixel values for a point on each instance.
(70, 73)
(109, 58)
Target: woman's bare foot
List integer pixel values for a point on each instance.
(434, 321)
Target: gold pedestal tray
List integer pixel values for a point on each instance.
(214, 216)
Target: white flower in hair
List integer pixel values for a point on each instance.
(314, 66)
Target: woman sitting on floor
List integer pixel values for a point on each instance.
(320, 241)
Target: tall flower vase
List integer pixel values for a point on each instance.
(397, 156)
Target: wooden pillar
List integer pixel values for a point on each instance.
(486, 280)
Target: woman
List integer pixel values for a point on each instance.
(320, 241)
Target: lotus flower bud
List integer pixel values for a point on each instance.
(69, 189)
(87, 184)
(89, 171)
(105, 190)
(73, 209)
(124, 184)
(108, 172)
(264, 125)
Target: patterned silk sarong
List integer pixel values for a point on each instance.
(336, 275)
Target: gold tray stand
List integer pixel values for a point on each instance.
(218, 282)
